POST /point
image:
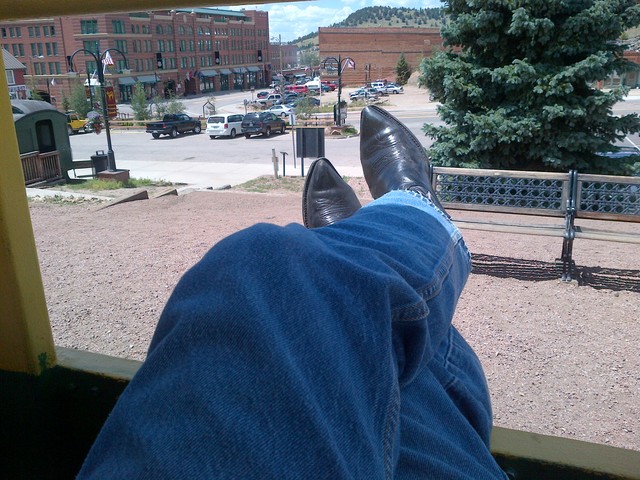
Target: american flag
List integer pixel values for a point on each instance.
(107, 60)
(348, 63)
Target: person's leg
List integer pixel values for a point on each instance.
(285, 352)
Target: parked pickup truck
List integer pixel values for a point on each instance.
(174, 124)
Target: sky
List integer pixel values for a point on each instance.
(295, 19)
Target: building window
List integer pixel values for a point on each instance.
(189, 30)
(15, 49)
(37, 30)
(171, 46)
(31, 35)
(10, 78)
(169, 30)
(122, 46)
(121, 65)
(91, 66)
(4, 32)
(161, 46)
(117, 26)
(183, 62)
(159, 30)
(18, 32)
(88, 27)
(91, 45)
(52, 30)
(181, 30)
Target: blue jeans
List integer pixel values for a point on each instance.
(289, 353)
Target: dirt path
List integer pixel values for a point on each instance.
(561, 359)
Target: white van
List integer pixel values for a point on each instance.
(224, 125)
(379, 86)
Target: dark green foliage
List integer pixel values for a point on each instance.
(517, 84)
(403, 70)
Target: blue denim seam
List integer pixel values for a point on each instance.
(391, 426)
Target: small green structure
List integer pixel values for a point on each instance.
(43, 141)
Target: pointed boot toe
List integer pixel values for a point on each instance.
(327, 198)
(392, 157)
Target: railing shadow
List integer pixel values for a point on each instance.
(535, 270)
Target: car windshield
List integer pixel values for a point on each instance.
(215, 120)
(250, 116)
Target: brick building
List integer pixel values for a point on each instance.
(283, 57)
(184, 51)
(14, 71)
(376, 51)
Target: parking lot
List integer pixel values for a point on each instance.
(197, 160)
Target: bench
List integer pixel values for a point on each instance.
(566, 197)
(75, 164)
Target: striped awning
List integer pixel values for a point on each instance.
(126, 81)
(208, 73)
(253, 69)
(225, 71)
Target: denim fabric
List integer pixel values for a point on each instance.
(291, 353)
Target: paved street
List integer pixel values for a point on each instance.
(199, 161)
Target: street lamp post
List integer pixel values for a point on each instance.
(340, 62)
(99, 57)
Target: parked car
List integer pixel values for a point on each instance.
(364, 94)
(174, 124)
(263, 123)
(76, 124)
(271, 99)
(290, 97)
(280, 110)
(314, 102)
(393, 88)
(224, 125)
(330, 85)
(262, 94)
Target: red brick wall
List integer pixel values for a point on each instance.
(376, 51)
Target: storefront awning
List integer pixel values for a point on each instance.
(126, 81)
(208, 73)
(253, 69)
(148, 79)
(239, 70)
(225, 71)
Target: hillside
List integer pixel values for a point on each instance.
(381, 17)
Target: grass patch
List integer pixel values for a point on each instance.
(267, 184)
(98, 185)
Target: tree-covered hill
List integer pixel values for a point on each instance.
(382, 17)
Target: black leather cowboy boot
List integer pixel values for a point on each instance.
(392, 157)
(327, 198)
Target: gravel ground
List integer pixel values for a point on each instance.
(561, 358)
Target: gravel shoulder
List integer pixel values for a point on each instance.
(561, 358)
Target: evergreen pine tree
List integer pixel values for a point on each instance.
(403, 70)
(518, 87)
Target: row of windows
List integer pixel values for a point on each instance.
(37, 49)
(47, 31)
(12, 32)
(47, 68)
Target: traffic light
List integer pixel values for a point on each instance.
(217, 57)
(159, 63)
(259, 55)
